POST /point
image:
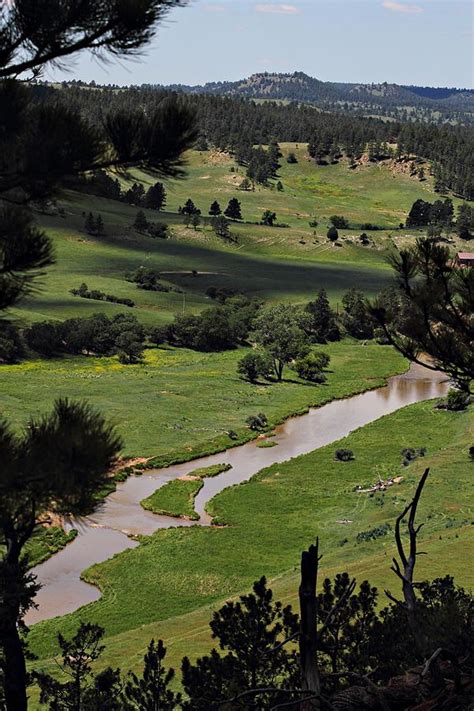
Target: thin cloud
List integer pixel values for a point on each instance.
(277, 8)
(213, 7)
(402, 7)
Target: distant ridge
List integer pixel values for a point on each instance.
(300, 87)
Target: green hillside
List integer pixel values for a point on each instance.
(273, 263)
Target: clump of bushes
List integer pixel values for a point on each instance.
(85, 293)
(310, 367)
(221, 293)
(409, 454)
(147, 278)
(373, 533)
(257, 422)
(457, 400)
(152, 229)
(97, 335)
(216, 329)
(344, 455)
(11, 345)
(255, 364)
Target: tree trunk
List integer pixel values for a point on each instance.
(14, 668)
(308, 643)
(13, 663)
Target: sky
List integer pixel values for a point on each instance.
(424, 42)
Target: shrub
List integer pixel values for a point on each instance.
(373, 533)
(257, 422)
(97, 295)
(147, 278)
(409, 454)
(333, 234)
(268, 218)
(291, 158)
(232, 434)
(457, 400)
(310, 367)
(254, 364)
(158, 334)
(363, 239)
(344, 455)
(11, 345)
(471, 452)
(45, 338)
(339, 222)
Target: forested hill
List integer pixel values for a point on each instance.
(401, 102)
(238, 125)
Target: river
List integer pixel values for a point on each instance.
(108, 530)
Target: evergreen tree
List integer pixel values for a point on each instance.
(356, 318)
(135, 195)
(151, 691)
(321, 324)
(83, 689)
(155, 198)
(332, 234)
(56, 466)
(215, 209)
(233, 210)
(465, 221)
(291, 158)
(99, 225)
(190, 208)
(140, 223)
(268, 218)
(249, 632)
(90, 224)
(433, 313)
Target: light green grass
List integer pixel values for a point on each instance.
(273, 517)
(180, 404)
(210, 471)
(175, 498)
(265, 444)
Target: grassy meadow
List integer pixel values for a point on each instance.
(179, 404)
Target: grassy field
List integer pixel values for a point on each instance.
(274, 263)
(182, 403)
(176, 498)
(181, 574)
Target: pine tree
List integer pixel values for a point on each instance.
(233, 210)
(190, 208)
(333, 234)
(151, 692)
(321, 324)
(90, 224)
(140, 223)
(99, 225)
(215, 209)
(155, 198)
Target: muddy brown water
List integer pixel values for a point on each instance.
(107, 532)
